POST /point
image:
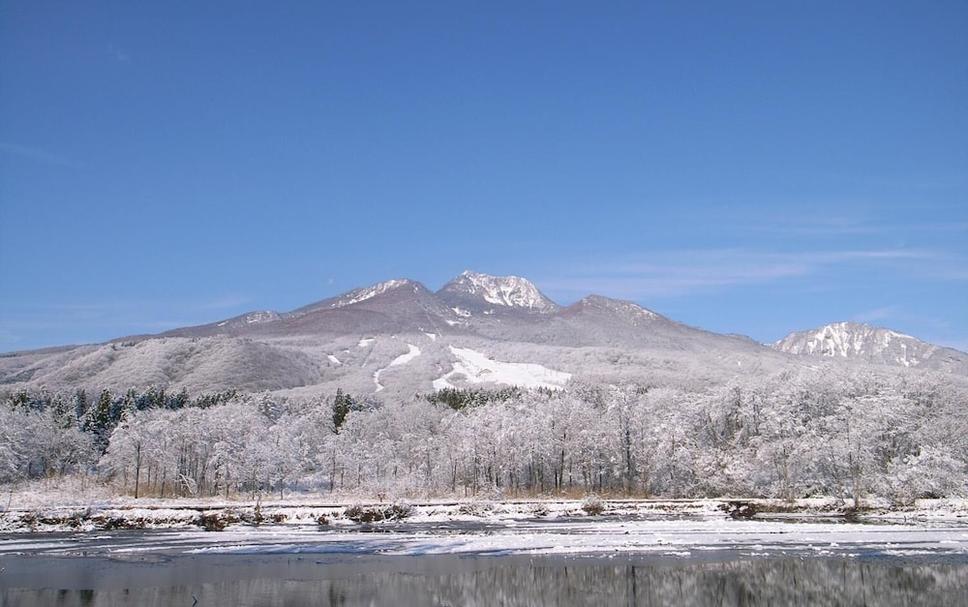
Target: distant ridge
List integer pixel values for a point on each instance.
(859, 341)
(476, 329)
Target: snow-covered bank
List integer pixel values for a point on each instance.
(427, 533)
(215, 513)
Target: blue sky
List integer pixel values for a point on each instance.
(752, 169)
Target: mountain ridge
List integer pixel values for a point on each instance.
(862, 341)
(476, 329)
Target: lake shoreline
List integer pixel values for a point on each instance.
(215, 515)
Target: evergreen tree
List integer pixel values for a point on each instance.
(80, 404)
(21, 400)
(62, 411)
(98, 421)
(341, 408)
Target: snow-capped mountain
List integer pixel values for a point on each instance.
(479, 292)
(398, 337)
(251, 318)
(858, 341)
(631, 311)
(360, 295)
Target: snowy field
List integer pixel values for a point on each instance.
(685, 538)
(670, 528)
(91, 508)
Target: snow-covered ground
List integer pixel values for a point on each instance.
(500, 529)
(412, 353)
(477, 367)
(701, 520)
(666, 537)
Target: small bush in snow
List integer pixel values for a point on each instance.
(593, 505)
(212, 522)
(217, 521)
(374, 514)
(480, 509)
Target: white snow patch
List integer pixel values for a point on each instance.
(366, 341)
(333, 359)
(260, 317)
(477, 368)
(365, 293)
(431, 336)
(412, 353)
(572, 535)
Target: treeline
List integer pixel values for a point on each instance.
(44, 433)
(789, 435)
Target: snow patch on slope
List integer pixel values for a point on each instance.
(260, 317)
(366, 293)
(412, 353)
(477, 368)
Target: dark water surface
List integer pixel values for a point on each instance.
(405, 581)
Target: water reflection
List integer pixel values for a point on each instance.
(513, 581)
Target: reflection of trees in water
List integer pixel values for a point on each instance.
(760, 582)
(476, 582)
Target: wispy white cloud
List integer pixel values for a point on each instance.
(111, 318)
(810, 226)
(119, 54)
(36, 154)
(674, 273)
(877, 314)
(224, 302)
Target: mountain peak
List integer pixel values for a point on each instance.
(483, 290)
(628, 308)
(857, 340)
(365, 293)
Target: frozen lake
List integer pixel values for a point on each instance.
(699, 560)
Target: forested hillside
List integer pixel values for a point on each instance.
(789, 435)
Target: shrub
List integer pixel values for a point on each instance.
(374, 514)
(213, 521)
(739, 510)
(480, 509)
(593, 505)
